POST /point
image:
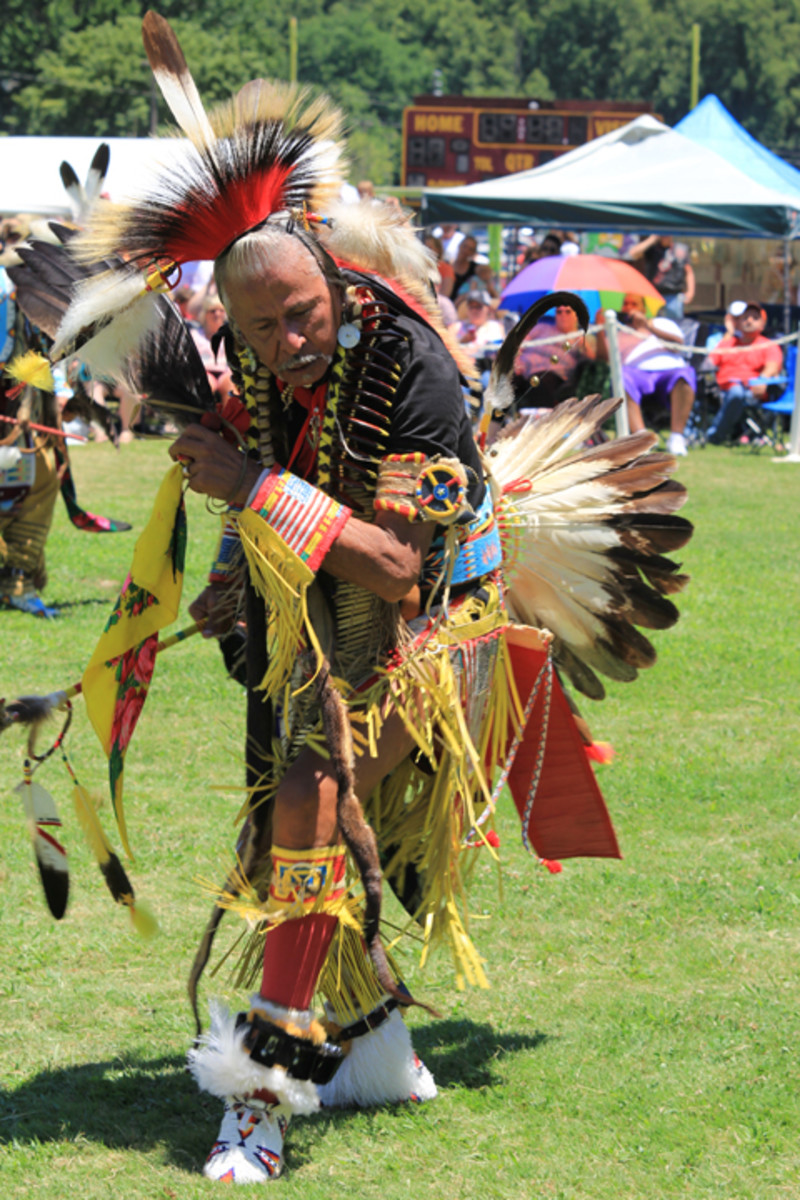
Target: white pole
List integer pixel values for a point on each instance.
(615, 363)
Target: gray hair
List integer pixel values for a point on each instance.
(256, 251)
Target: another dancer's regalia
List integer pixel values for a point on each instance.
(539, 552)
(34, 460)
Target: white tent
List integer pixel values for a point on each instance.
(642, 176)
(29, 178)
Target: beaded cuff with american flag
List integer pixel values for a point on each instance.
(302, 516)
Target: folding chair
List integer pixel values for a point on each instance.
(783, 404)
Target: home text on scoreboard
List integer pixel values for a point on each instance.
(449, 140)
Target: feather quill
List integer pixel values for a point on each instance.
(44, 826)
(95, 178)
(72, 186)
(172, 75)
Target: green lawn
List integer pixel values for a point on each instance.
(640, 1036)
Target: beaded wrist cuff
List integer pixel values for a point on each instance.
(302, 516)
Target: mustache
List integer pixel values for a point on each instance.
(298, 361)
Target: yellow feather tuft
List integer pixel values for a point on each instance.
(143, 920)
(90, 824)
(33, 370)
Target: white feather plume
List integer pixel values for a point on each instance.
(109, 316)
(378, 237)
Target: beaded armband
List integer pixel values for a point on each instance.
(229, 551)
(304, 519)
(423, 489)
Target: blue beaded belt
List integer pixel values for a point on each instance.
(481, 553)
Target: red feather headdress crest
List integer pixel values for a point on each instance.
(270, 149)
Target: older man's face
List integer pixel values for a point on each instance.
(288, 315)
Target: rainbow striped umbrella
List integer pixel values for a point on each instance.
(600, 282)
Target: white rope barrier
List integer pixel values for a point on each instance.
(676, 347)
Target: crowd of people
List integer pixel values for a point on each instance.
(663, 365)
(660, 370)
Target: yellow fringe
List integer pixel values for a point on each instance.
(422, 810)
(282, 580)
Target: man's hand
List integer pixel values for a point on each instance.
(216, 606)
(213, 466)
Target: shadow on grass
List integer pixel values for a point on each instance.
(95, 601)
(133, 1103)
(460, 1053)
(140, 1103)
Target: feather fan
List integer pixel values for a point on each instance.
(166, 369)
(586, 533)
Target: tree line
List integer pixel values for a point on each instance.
(77, 67)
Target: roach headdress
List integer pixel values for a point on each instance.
(272, 148)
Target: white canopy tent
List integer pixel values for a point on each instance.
(29, 178)
(642, 176)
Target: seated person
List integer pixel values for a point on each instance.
(216, 364)
(740, 356)
(552, 367)
(650, 370)
(482, 278)
(478, 327)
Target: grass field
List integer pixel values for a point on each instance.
(640, 1037)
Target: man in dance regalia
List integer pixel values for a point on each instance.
(367, 547)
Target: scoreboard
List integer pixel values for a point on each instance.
(449, 140)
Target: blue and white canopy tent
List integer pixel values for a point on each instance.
(710, 124)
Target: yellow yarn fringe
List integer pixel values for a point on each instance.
(423, 809)
(282, 580)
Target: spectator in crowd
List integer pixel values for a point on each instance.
(549, 245)
(216, 364)
(366, 190)
(482, 277)
(446, 273)
(741, 356)
(452, 237)
(464, 262)
(651, 371)
(478, 329)
(666, 264)
(552, 367)
(182, 296)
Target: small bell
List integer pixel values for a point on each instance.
(553, 358)
(348, 335)
(535, 380)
